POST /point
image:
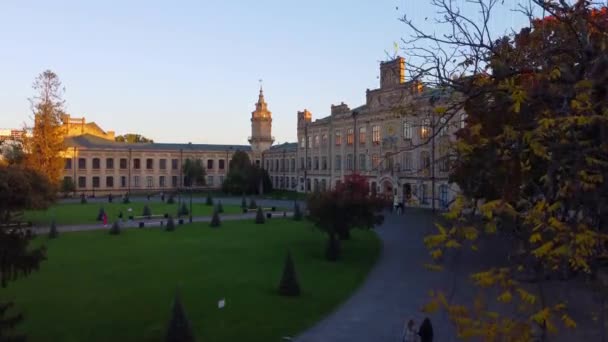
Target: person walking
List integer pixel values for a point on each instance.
(395, 203)
(409, 332)
(105, 219)
(426, 331)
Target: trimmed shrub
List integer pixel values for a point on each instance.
(215, 220)
(252, 204)
(220, 207)
(244, 203)
(332, 252)
(110, 198)
(209, 200)
(120, 215)
(259, 217)
(268, 215)
(53, 233)
(115, 230)
(297, 214)
(126, 200)
(273, 209)
(179, 329)
(146, 211)
(180, 221)
(170, 225)
(184, 209)
(289, 285)
(170, 200)
(100, 214)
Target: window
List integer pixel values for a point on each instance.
(96, 164)
(463, 120)
(149, 163)
(443, 195)
(110, 163)
(174, 164)
(317, 142)
(425, 129)
(209, 164)
(96, 182)
(362, 162)
(136, 164)
(174, 181)
(221, 164)
(375, 161)
(82, 182)
(323, 185)
(149, 181)
(349, 162)
(67, 179)
(302, 163)
(323, 163)
(293, 182)
(67, 163)
(293, 164)
(338, 138)
(136, 181)
(308, 184)
(267, 164)
(271, 165)
(444, 162)
(407, 130)
(123, 163)
(276, 164)
(424, 194)
(443, 126)
(82, 163)
(281, 184)
(324, 140)
(425, 160)
(316, 183)
(309, 142)
(338, 162)
(308, 163)
(350, 136)
(362, 135)
(407, 161)
(123, 181)
(109, 182)
(282, 164)
(161, 181)
(376, 135)
(221, 180)
(316, 163)
(162, 164)
(302, 142)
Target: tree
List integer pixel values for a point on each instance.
(183, 209)
(194, 172)
(289, 285)
(170, 224)
(179, 329)
(12, 153)
(20, 189)
(347, 206)
(215, 220)
(146, 211)
(67, 186)
(209, 200)
(53, 233)
(44, 147)
(531, 159)
(244, 177)
(133, 138)
(115, 230)
(243, 203)
(259, 216)
(252, 204)
(220, 207)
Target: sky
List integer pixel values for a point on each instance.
(189, 71)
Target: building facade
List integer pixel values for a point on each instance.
(397, 140)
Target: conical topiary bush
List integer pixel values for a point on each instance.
(220, 207)
(179, 329)
(289, 285)
(146, 211)
(209, 200)
(244, 203)
(53, 233)
(126, 200)
(215, 220)
(115, 230)
(100, 214)
(170, 224)
(259, 216)
(184, 209)
(252, 204)
(297, 213)
(170, 200)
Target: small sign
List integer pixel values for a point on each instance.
(221, 303)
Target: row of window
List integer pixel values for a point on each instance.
(424, 132)
(312, 163)
(281, 164)
(123, 163)
(123, 181)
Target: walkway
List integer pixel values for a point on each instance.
(394, 291)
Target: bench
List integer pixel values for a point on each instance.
(263, 209)
(148, 217)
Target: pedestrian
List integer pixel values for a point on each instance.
(395, 203)
(409, 332)
(105, 219)
(426, 331)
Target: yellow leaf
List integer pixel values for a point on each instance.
(555, 73)
(543, 250)
(541, 316)
(536, 237)
(505, 297)
(526, 296)
(436, 254)
(568, 322)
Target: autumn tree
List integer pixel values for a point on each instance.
(531, 160)
(43, 149)
(133, 138)
(349, 205)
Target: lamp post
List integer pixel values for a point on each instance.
(190, 201)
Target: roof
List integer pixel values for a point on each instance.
(92, 142)
(284, 147)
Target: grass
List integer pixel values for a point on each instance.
(98, 287)
(76, 213)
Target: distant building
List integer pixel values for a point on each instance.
(11, 134)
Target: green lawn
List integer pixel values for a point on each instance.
(98, 287)
(76, 213)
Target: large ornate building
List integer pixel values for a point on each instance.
(392, 140)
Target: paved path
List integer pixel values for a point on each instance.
(394, 291)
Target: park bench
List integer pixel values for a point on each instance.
(263, 209)
(148, 217)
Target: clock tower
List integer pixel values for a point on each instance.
(261, 126)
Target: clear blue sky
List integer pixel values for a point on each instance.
(179, 71)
